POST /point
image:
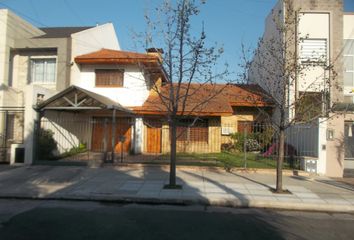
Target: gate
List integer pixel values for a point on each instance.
(11, 132)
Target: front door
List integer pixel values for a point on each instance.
(103, 130)
(153, 136)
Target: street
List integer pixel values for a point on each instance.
(38, 219)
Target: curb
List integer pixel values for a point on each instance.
(286, 172)
(292, 206)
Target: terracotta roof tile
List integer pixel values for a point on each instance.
(115, 56)
(209, 99)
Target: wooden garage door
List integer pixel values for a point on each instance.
(153, 136)
(123, 127)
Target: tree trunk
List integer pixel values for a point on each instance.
(280, 160)
(173, 151)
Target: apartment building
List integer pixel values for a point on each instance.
(36, 63)
(322, 50)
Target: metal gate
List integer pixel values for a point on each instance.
(11, 130)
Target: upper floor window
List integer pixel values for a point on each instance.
(313, 50)
(109, 77)
(348, 54)
(43, 70)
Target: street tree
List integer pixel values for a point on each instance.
(189, 66)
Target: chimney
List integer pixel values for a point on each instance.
(155, 52)
(156, 78)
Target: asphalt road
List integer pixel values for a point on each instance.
(23, 219)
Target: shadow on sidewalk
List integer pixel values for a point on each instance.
(60, 182)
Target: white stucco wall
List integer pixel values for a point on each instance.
(138, 136)
(348, 26)
(256, 73)
(31, 92)
(91, 40)
(265, 68)
(322, 142)
(314, 26)
(12, 28)
(134, 92)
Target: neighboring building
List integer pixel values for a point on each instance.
(36, 63)
(323, 37)
(116, 94)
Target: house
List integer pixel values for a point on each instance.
(324, 37)
(114, 103)
(36, 63)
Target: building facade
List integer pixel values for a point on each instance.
(317, 42)
(36, 63)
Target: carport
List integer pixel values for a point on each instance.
(75, 102)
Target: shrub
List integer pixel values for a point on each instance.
(252, 145)
(239, 139)
(75, 150)
(227, 147)
(47, 145)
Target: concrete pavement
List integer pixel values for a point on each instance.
(200, 186)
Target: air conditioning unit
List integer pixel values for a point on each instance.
(226, 131)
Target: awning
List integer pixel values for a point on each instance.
(75, 98)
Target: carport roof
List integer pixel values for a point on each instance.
(75, 98)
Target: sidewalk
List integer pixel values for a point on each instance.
(200, 186)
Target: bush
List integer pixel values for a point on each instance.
(266, 138)
(239, 139)
(47, 146)
(252, 145)
(227, 147)
(75, 150)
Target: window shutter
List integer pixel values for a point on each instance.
(313, 50)
(109, 78)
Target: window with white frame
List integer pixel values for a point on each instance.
(313, 50)
(43, 70)
(348, 55)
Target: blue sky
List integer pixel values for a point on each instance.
(227, 22)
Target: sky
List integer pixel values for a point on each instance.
(227, 22)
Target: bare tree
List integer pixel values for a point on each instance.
(282, 67)
(189, 66)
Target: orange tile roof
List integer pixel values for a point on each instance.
(208, 99)
(108, 56)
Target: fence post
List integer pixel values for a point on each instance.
(105, 142)
(113, 134)
(245, 147)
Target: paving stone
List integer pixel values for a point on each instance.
(307, 195)
(336, 201)
(263, 198)
(313, 200)
(256, 187)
